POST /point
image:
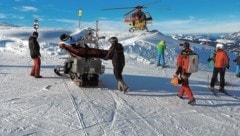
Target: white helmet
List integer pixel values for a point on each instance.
(219, 46)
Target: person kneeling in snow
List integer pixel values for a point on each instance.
(182, 64)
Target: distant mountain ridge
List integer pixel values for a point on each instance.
(5, 24)
(233, 36)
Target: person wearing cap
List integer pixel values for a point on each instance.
(181, 72)
(221, 63)
(35, 54)
(116, 53)
(237, 61)
(161, 46)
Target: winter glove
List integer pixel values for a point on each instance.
(209, 59)
(227, 66)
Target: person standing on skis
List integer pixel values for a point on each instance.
(35, 54)
(221, 63)
(181, 72)
(211, 60)
(161, 46)
(116, 53)
(237, 60)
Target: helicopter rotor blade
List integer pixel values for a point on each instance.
(153, 2)
(133, 10)
(129, 12)
(118, 8)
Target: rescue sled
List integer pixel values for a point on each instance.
(84, 65)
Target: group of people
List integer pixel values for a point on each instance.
(219, 61)
(115, 53)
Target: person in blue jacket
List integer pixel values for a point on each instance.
(211, 60)
(237, 60)
(161, 46)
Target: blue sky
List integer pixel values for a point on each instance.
(185, 16)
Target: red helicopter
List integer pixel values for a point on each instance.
(136, 18)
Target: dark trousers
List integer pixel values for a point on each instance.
(118, 73)
(221, 71)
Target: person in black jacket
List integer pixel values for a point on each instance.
(116, 53)
(237, 60)
(35, 54)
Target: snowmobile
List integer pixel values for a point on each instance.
(84, 64)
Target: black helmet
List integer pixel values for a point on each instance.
(113, 40)
(64, 37)
(35, 34)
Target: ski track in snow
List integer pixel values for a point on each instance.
(55, 106)
(75, 106)
(122, 102)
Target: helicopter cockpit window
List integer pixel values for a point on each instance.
(148, 16)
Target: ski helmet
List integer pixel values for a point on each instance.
(35, 34)
(219, 46)
(113, 40)
(64, 37)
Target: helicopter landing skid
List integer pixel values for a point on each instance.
(132, 29)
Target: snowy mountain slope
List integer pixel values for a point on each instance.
(56, 106)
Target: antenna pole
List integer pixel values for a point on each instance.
(36, 24)
(97, 34)
(80, 15)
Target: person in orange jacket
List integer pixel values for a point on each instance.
(221, 63)
(181, 72)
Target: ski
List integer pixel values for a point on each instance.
(213, 91)
(217, 93)
(230, 95)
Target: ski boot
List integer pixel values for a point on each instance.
(191, 102)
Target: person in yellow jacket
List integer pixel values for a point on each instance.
(161, 46)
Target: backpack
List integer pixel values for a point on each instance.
(193, 63)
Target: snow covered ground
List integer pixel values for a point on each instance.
(54, 105)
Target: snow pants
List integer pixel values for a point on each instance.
(160, 59)
(238, 69)
(36, 67)
(117, 71)
(221, 71)
(185, 89)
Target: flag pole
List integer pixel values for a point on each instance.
(80, 15)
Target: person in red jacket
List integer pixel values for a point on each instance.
(182, 73)
(221, 63)
(35, 55)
